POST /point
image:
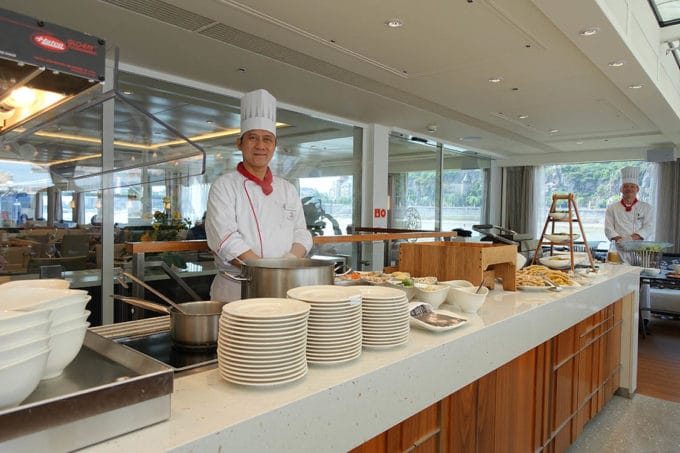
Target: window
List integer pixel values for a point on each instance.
(595, 185)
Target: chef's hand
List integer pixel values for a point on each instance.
(636, 237)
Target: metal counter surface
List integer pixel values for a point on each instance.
(335, 408)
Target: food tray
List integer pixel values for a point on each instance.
(107, 390)
(642, 253)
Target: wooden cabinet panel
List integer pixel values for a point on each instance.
(459, 421)
(512, 410)
(415, 431)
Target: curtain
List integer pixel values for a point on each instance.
(521, 204)
(668, 204)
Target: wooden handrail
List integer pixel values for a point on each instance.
(166, 246)
(202, 245)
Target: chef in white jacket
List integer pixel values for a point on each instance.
(251, 213)
(629, 218)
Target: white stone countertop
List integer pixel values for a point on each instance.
(337, 407)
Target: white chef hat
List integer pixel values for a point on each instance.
(258, 111)
(630, 175)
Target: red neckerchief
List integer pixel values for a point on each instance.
(628, 208)
(265, 184)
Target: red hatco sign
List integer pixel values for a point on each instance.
(49, 42)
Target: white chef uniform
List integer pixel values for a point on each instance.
(620, 221)
(241, 217)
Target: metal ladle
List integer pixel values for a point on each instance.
(151, 289)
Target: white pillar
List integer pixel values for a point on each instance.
(374, 202)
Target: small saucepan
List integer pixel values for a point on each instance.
(197, 327)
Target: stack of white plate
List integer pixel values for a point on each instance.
(385, 315)
(262, 342)
(334, 330)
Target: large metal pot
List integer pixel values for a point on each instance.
(273, 277)
(197, 327)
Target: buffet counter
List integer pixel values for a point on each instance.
(336, 408)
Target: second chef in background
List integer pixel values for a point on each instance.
(251, 213)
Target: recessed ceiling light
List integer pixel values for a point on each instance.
(523, 117)
(394, 23)
(589, 31)
(553, 131)
(579, 143)
(496, 79)
(209, 121)
(617, 63)
(470, 139)
(128, 92)
(637, 86)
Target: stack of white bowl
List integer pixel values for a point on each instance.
(261, 342)
(24, 347)
(65, 310)
(334, 332)
(386, 319)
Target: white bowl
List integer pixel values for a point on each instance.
(651, 271)
(562, 261)
(399, 284)
(432, 294)
(559, 215)
(561, 237)
(455, 284)
(65, 346)
(676, 268)
(24, 334)
(13, 320)
(467, 299)
(19, 351)
(69, 322)
(20, 378)
(27, 299)
(55, 283)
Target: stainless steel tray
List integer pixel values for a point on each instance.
(106, 391)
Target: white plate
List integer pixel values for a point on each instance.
(266, 308)
(426, 326)
(380, 292)
(384, 346)
(561, 237)
(264, 374)
(268, 360)
(262, 383)
(269, 324)
(325, 293)
(533, 288)
(238, 369)
(230, 362)
(335, 362)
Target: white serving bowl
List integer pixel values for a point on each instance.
(20, 378)
(24, 334)
(28, 299)
(561, 237)
(65, 345)
(55, 283)
(432, 294)
(69, 322)
(19, 351)
(559, 215)
(455, 284)
(13, 320)
(651, 271)
(467, 299)
(399, 284)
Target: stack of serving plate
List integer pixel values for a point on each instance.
(334, 330)
(385, 316)
(262, 342)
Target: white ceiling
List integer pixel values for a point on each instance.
(340, 59)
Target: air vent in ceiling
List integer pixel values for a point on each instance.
(164, 12)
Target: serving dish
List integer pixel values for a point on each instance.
(562, 237)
